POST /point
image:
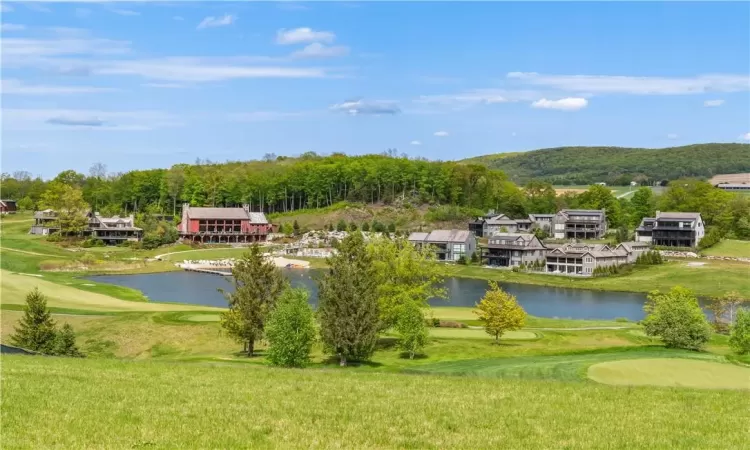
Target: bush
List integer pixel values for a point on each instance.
(54, 237)
(92, 242)
(65, 343)
(341, 226)
(461, 260)
(475, 257)
(451, 324)
(411, 329)
(739, 338)
(713, 237)
(391, 227)
(151, 241)
(366, 226)
(290, 330)
(378, 227)
(677, 319)
(622, 319)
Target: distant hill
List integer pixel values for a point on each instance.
(619, 165)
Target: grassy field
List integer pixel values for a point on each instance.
(114, 404)
(730, 247)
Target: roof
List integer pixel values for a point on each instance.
(441, 236)
(733, 185)
(647, 223)
(597, 251)
(678, 215)
(730, 178)
(526, 238)
(500, 219)
(225, 213)
(541, 216)
(523, 221)
(583, 212)
(632, 246)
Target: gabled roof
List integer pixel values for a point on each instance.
(526, 239)
(439, 236)
(678, 215)
(226, 214)
(534, 217)
(500, 219)
(418, 236)
(582, 212)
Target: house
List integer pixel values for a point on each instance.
(579, 224)
(450, 245)
(583, 259)
(499, 224)
(673, 229)
(223, 225)
(512, 250)
(110, 230)
(634, 249)
(543, 221)
(113, 230)
(8, 207)
(644, 232)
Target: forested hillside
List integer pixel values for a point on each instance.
(281, 184)
(618, 165)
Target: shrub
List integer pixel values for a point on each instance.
(352, 227)
(378, 227)
(461, 260)
(290, 330)
(92, 242)
(341, 226)
(391, 227)
(54, 237)
(411, 329)
(65, 343)
(677, 319)
(713, 237)
(622, 319)
(475, 258)
(366, 226)
(451, 324)
(739, 337)
(151, 241)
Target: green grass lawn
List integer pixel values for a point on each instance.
(115, 404)
(730, 247)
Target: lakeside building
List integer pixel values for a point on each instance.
(672, 229)
(111, 230)
(513, 250)
(223, 225)
(8, 207)
(492, 224)
(579, 224)
(583, 259)
(734, 187)
(450, 245)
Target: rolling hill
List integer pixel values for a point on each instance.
(619, 165)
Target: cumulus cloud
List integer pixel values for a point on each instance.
(745, 137)
(441, 133)
(564, 104)
(713, 103)
(606, 84)
(416, 143)
(303, 35)
(213, 22)
(672, 136)
(363, 107)
(318, 50)
(12, 27)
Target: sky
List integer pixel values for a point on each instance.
(143, 85)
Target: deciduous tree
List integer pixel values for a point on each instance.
(411, 329)
(68, 203)
(290, 330)
(500, 312)
(739, 338)
(676, 318)
(348, 311)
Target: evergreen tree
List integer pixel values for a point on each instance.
(341, 226)
(391, 227)
(295, 228)
(290, 330)
(36, 329)
(366, 226)
(65, 342)
(258, 284)
(352, 227)
(330, 227)
(348, 311)
(500, 312)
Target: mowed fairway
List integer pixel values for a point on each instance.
(671, 372)
(14, 288)
(730, 247)
(53, 402)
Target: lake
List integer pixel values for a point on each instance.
(542, 301)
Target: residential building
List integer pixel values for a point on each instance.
(8, 207)
(734, 187)
(645, 231)
(113, 230)
(524, 225)
(579, 224)
(449, 245)
(110, 230)
(583, 259)
(634, 249)
(223, 225)
(499, 224)
(543, 221)
(676, 229)
(512, 250)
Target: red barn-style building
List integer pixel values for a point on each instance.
(223, 225)
(7, 207)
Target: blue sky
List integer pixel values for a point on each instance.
(141, 85)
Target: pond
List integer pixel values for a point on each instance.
(541, 301)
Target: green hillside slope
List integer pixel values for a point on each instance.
(619, 165)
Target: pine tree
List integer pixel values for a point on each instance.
(348, 310)
(258, 284)
(36, 329)
(295, 228)
(65, 343)
(341, 226)
(366, 226)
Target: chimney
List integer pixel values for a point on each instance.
(246, 207)
(657, 214)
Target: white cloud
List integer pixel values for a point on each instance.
(6, 8)
(478, 97)
(441, 133)
(12, 27)
(61, 46)
(362, 107)
(126, 12)
(605, 84)
(672, 136)
(212, 22)
(745, 137)
(81, 119)
(713, 103)
(416, 143)
(564, 104)
(303, 35)
(18, 87)
(318, 50)
(37, 6)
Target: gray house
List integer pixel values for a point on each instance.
(579, 224)
(582, 259)
(543, 221)
(512, 250)
(449, 245)
(634, 249)
(672, 229)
